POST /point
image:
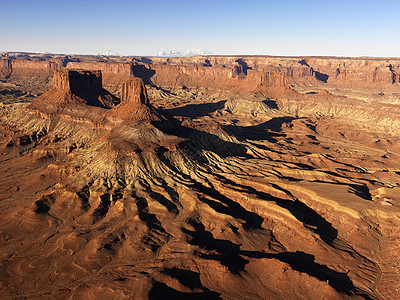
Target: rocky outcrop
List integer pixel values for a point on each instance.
(114, 74)
(134, 105)
(35, 75)
(219, 78)
(239, 196)
(105, 67)
(134, 92)
(77, 80)
(5, 68)
(34, 71)
(234, 74)
(304, 71)
(77, 90)
(368, 73)
(75, 87)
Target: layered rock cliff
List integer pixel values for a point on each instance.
(34, 75)
(75, 87)
(266, 181)
(358, 73)
(236, 74)
(114, 74)
(5, 69)
(134, 104)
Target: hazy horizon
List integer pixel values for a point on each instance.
(133, 28)
(212, 54)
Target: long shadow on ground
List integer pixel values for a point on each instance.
(195, 110)
(264, 131)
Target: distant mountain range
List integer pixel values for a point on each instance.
(180, 53)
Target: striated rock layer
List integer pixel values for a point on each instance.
(75, 87)
(135, 105)
(221, 178)
(236, 73)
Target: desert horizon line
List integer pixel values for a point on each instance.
(2, 52)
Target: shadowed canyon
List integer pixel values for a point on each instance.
(205, 177)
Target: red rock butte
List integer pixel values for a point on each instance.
(134, 91)
(75, 87)
(134, 104)
(83, 88)
(77, 80)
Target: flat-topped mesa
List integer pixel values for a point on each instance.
(135, 105)
(77, 80)
(75, 87)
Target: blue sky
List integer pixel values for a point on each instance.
(339, 28)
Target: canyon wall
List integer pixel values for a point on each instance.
(28, 71)
(365, 73)
(250, 74)
(300, 201)
(5, 68)
(361, 73)
(234, 74)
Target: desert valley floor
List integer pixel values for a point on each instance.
(207, 177)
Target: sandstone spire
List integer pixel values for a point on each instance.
(135, 105)
(134, 91)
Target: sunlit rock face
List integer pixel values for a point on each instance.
(134, 91)
(201, 177)
(75, 87)
(134, 105)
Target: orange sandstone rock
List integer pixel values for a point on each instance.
(75, 87)
(134, 105)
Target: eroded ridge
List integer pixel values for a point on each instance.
(184, 192)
